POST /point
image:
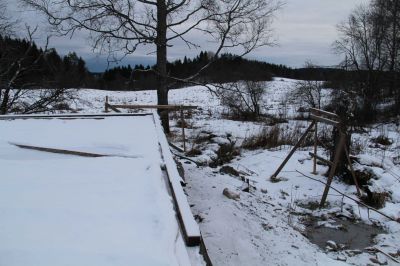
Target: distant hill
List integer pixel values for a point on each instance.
(227, 68)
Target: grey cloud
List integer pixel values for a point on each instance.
(305, 29)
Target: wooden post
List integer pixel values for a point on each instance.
(338, 153)
(352, 171)
(293, 150)
(315, 148)
(183, 129)
(106, 105)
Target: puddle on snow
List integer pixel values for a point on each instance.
(353, 235)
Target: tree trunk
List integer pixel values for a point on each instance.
(162, 89)
(4, 102)
(342, 167)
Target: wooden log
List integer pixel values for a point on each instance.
(293, 150)
(322, 112)
(317, 157)
(325, 120)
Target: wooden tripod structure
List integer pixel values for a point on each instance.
(321, 116)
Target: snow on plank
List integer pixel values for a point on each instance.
(189, 226)
(69, 210)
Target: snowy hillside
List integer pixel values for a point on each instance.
(277, 222)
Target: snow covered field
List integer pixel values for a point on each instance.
(269, 225)
(69, 210)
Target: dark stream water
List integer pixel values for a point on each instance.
(353, 235)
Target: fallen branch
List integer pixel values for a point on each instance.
(58, 151)
(387, 255)
(186, 158)
(346, 196)
(69, 152)
(175, 147)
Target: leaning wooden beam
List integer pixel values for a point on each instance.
(324, 120)
(338, 153)
(346, 196)
(186, 158)
(352, 171)
(322, 112)
(317, 157)
(112, 107)
(293, 150)
(175, 147)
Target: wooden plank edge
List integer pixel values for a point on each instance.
(174, 180)
(60, 116)
(204, 252)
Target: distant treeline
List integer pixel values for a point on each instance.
(27, 66)
(227, 68)
(52, 70)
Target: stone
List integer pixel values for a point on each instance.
(331, 244)
(230, 194)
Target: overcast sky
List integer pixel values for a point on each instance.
(304, 29)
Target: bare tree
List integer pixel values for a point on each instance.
(387, 14)
(310, 92)
(243, 98)
(6, 23)
(362, 42)
(125, 25)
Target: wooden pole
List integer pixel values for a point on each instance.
(338, 152)
(183, 130)
(315, 148)
(293, 150)
(352, 171)
(106, 105)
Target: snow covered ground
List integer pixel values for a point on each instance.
(269, 225)
(69, 210)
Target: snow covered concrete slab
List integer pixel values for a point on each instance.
(69, 210)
